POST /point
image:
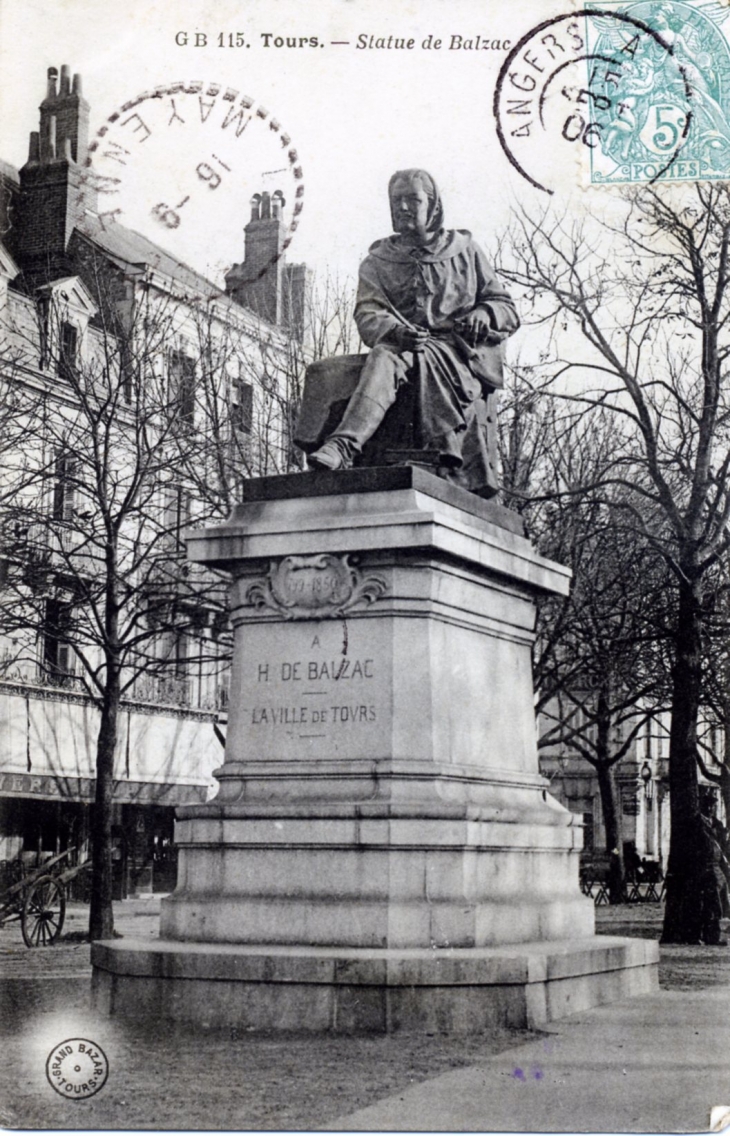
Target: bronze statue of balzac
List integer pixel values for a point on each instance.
(435, 316)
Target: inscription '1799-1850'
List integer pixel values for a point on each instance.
(313, 587)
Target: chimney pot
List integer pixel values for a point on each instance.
(51, 88)
(65, 80)
(77, 87)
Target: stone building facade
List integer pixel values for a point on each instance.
(70, 285)
(641, 786)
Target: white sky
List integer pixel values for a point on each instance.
(354, 115)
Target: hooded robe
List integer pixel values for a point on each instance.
(432, 287)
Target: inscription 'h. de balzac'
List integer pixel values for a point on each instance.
(313, 587)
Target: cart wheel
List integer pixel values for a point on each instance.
(43, 911)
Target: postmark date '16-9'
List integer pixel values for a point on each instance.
(190, 156)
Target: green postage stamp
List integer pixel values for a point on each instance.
(664, 111)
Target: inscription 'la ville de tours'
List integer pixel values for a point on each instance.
(324, 707)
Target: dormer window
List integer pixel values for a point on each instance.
(68, 351)
(65, 309)
(44, 328)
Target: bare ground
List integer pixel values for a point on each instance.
(680, 968)
(163, 1077)
(179, 1077)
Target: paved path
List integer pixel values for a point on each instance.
(656, 1064)
(653, 1064)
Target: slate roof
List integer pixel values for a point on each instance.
(128, 248)
(8, 267)
(9, 172)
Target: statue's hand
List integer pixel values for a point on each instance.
(412, 338)
(475, 328)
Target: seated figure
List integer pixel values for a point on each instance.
(434, 314)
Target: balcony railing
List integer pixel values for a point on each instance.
(44, 680)
(164, 690)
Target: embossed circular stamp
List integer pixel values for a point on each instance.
(77, 1068)
(602, 91)
(185, 159)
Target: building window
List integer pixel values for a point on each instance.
(663, 741)
(59, 659)
(629, 800)
(182, 386)
(178, 506)
(126, 370)
(43, 329)
(64, 489)
(223, 691)
(180, 654)
(242, 406)
(67, 351)
(588, 833)
(174, 687)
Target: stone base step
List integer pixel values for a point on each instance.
(354, 990)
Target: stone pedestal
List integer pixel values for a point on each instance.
(383, 852)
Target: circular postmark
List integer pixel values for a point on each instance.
(77, 1068)
(184, 162)
(600, 91)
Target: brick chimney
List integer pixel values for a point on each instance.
(51, 188)
(258, 282)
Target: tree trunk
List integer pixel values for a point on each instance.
(612, 825)
(101, 916)
(725, 765)
(683, 914)
(725, 788)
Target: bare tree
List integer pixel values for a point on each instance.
(124, 433)
(714, 734)
(95, 554)
(644, 300)
(596, 661)
(247, 401)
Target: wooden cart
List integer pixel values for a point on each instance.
(38, 899)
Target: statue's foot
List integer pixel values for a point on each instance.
(329, 456)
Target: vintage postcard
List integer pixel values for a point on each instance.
(364, 537)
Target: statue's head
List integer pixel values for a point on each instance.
(662, 17)
(415, 206)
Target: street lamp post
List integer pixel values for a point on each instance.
(646, 776)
